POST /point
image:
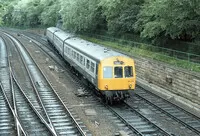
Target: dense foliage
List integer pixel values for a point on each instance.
(80, 15)
(121, 15)
(178, 19)
(152, 19)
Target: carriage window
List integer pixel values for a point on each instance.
(88, 64)
(118, 72)
(107, 72)
(92, 67)
(74, 56)
(128, 71)
(72, 53)
(77, 57)
(69, 51)
(81, 59)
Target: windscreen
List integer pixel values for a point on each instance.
(118, 72)
(107, 72)
(128, 71)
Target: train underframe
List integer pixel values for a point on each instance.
(112, 96)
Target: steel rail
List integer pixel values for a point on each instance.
(123, 120)
(32, 82)
(79, 128)
(77, 125)
(15, 116)
(13, 95)
(26, 67)
(163, 131)
(166, 112)
(20, 129)
(32, 106)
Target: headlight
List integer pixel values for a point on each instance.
(130, 86)
(106, 86)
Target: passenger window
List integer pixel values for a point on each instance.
(77, 57)
(69, 51)
(118, 72)
(88, 64)
(81, 59)
(128, 71)
(107, 72)
(74, 55)
(92, 67)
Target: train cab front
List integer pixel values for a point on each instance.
(116, 77)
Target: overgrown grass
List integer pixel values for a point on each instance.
(137, 52)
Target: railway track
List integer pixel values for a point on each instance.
(4, 72)
(136, 121)
(31, 122)
(187, 119)
(121, 118)
(128, 124)
(127, 118)
(7, 121)
(22, 106)
(22, 73)
(61, 120)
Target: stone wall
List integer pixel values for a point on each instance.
(180, 82)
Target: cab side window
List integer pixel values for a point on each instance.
(118, 72)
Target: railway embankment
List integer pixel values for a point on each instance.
(171, 82)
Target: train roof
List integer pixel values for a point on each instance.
(96, 51)
(53, 29)
(61, 34)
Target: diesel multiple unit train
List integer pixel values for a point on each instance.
(110, 72)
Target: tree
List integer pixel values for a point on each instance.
(176, 19)
(33, 11)
(80, 15)
(121, 15)
(50, 15)
(6, 9)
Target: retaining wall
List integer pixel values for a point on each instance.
(181, 83)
